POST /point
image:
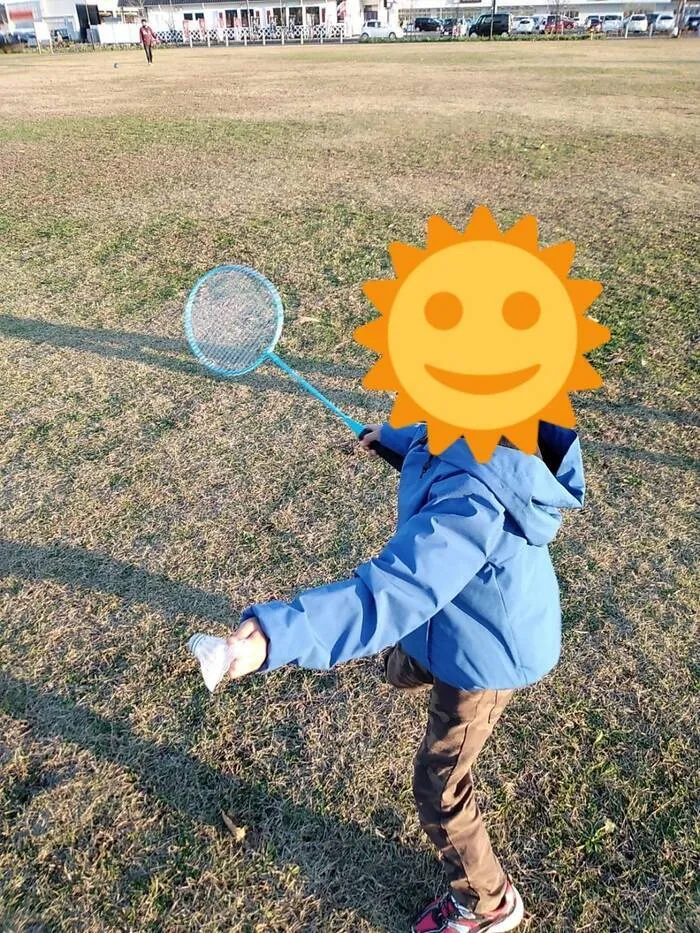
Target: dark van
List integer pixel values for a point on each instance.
(482, 26)
(427, 24)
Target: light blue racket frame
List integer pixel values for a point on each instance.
(268, 353)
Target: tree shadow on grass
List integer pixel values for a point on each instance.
(384, 874)
(172, 355)
(77, 566)
(384, 877)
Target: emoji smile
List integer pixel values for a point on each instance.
(482, 385)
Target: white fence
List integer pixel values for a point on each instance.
(245, 34)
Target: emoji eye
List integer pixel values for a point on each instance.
(521, 310)
(443, 310)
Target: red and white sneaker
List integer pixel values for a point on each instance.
(445, 915)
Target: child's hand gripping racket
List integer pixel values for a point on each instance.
(233, 319)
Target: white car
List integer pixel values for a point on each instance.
(663, 22)
(637, 22)
(612, 22)
(373, 29)
(525, 25)
(539, 21)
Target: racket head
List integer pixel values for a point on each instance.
(233, 319)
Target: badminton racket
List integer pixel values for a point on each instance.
(233, 320)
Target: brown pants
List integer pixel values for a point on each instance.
(459, 723)
(148, 49)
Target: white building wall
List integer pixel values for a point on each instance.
(172, 17)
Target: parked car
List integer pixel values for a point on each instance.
(593, 24)
(692, 23)
(524, 25)
(61, 36)
(427, 24)
(482, 26)
(9, 42)
(373, 29)
(456, 27)
(661, 22)
(556, 23)
(612, 23)
(540, 21)
(637, 22)
(26, 37)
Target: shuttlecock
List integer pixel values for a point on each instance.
(116, 64)
(214, 655)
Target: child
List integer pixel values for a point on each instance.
(148, 40)
(466, 593)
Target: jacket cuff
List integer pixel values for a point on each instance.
(273, 619)
(396, 439)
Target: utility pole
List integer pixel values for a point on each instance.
(493, 15)
(680, 15)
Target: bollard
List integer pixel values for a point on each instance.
(283, 35)
(208, 40)
(245, 39)
(190, 40)
(226, 37)
(263, 38)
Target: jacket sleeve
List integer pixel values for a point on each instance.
(428, 562)
(398, 439)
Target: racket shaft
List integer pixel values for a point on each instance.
(354, 426)
(359, 430)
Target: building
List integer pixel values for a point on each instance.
(213, 15)
(67, 15)
(214, 18)
(217, 14)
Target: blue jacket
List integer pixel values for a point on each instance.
(466, 585)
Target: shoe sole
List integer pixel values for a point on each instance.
(508, 923)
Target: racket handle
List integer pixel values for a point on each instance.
(390, 456)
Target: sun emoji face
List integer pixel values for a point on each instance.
(482, 334)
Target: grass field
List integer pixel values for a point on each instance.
(142, 501)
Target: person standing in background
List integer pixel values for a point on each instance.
(148, 40)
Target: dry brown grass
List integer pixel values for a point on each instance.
(143, 501)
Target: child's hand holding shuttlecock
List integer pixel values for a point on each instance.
(243, 652)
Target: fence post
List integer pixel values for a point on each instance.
(226, 36)
(245, 39)
(190, 40)
(263, 38)
(208, 40)
(283, 35)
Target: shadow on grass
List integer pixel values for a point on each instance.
(76, 566)
(323, 846)
(652, 457)
(172, 355)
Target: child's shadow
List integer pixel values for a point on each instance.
(345, 866)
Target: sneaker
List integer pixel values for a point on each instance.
(445, 915)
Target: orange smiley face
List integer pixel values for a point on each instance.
(482, 334)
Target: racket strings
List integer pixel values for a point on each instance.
(234, 319)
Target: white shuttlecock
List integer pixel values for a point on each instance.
(214, 655)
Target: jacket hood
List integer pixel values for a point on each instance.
(532, 490)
